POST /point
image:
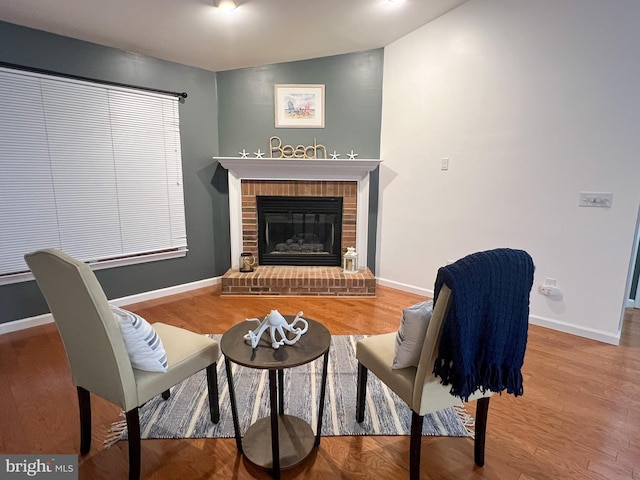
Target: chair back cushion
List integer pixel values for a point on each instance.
(92, 339)
(424, 372)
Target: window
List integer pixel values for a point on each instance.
(93, 170)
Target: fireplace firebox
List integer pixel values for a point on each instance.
(299, 230)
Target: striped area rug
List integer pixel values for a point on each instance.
(186, 413)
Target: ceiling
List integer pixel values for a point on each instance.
(258, 32)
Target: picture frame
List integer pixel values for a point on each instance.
(299, 106)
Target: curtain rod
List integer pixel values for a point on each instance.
(93, 80)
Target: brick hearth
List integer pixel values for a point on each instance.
(297, 280)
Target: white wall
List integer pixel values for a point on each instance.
(532, 102)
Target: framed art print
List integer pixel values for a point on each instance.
(299, 106)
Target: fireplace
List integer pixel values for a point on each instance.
(299, 230)
(250, 178)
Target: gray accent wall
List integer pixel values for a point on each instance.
(353, 111)
(353, 103)
(206, 202)
(224, 113)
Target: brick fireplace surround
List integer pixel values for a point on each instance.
(294, 280)
(296, 188)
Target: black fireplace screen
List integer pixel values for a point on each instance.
(299, 230)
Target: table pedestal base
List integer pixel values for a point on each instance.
(296, 440)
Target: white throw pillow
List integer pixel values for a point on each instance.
(144, 346)
(410, 336)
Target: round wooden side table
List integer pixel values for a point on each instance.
(290, 438)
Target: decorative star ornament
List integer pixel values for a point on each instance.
(244, 153)
(258, 154)
(352, 156)
(334, 155)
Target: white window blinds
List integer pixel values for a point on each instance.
(91, 169)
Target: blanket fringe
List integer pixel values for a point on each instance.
(115, 433)
(466, 419)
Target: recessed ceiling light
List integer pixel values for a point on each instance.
(226, 5)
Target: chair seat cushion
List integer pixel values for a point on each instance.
(376, 354)
(187, 353)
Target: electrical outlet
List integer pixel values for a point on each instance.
(444, 164)
(550, 288)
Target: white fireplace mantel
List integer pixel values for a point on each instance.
(297, 169)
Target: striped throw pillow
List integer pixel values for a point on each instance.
(144, 346)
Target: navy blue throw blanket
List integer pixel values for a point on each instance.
(484, 335)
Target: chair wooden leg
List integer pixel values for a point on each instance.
(84, 402)
(415, 445)
(133, 428)
(212, 384)
(166, 394)
(361, 392)
(482, 410)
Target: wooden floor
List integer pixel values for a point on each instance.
(579, 417)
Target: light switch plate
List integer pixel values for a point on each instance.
(595, 199)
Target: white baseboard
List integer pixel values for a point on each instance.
(585, 332)
(533, 319)
(404, 287)
(139, 297)
(165, 292)
(25, 323)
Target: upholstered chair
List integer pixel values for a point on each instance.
(100, 357)
(499, 281)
